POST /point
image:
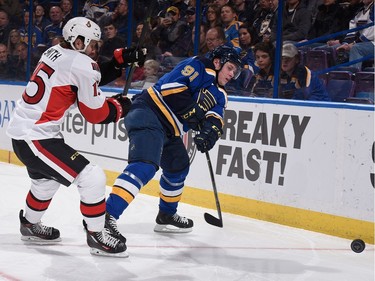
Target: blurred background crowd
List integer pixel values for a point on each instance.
(323, 40)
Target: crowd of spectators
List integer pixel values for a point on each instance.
(249, 26)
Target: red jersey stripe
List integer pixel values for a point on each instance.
(61, 98)
(96, 115)
(54, 159)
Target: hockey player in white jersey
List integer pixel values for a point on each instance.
(66, 78)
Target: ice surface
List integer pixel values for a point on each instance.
(244, 249)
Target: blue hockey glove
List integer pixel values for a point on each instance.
(207, 137)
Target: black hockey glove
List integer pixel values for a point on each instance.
(123, 57)
(122, 104)
(207, 136)
(125, 103)
(194, 117)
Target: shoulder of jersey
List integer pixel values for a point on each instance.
(77, 59)
(208, 64)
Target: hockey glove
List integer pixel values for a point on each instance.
(194, 117)
(196, 114)
(207, 137)
(122, 104)
(123, 57)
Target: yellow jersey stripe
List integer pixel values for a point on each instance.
(211, 72)
(164, 110)
(172, 91)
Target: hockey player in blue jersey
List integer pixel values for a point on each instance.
(191, 96)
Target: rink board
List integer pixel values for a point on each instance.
(302, 164)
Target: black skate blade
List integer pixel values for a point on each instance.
(212, 220)
(97, 252)
(168, 228)
(38, 241)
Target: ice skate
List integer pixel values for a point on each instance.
(38, 233)
(111, 225)
(168, 223)
(104, 243)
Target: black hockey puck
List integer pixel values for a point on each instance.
(358, 245)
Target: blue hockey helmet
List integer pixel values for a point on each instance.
(227, 54)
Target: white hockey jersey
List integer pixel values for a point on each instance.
(63, 80)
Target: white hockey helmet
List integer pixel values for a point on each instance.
(81, 26)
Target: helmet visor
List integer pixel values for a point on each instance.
(238, 72)
(236, 68)
(235, 65)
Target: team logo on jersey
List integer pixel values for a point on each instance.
(190, 145)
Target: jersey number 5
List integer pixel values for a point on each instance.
(38, 80)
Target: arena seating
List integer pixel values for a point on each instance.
(340, 85)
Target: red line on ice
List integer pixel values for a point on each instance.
(7, 277)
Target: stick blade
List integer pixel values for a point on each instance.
(212, 220)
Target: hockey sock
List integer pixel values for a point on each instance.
(128, 185)
(171, 188)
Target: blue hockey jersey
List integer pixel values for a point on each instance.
(178, 90)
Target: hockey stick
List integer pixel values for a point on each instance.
(146, 27)
(208, 217)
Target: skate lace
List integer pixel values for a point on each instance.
(39, 228)
(180, 219)
(106, 238)
(113, 225)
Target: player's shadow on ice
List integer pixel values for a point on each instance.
(69, 259)
(195, 253)
(218, 257)
(83, 266)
